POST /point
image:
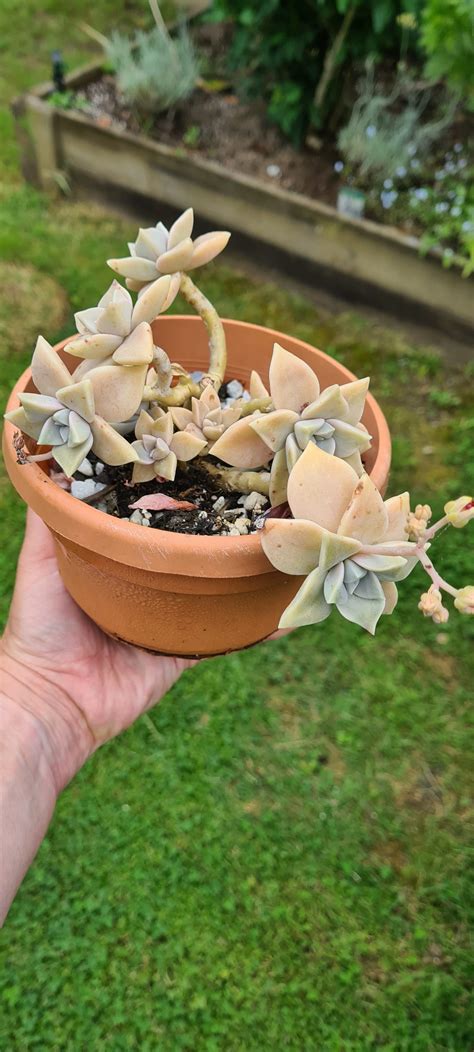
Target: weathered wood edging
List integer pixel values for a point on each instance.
(356, 253)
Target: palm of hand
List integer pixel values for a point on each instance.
(105, 682)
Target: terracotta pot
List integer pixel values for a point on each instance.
(175, 593)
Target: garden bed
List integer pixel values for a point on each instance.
(240, 173)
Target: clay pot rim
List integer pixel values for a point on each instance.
(154, 549)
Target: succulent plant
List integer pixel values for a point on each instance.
(66, 420)
(339, 518)
(158, 448)
(206, 419)
(302, 413)
(163, 251)
(351, 546)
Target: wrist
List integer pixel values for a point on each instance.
(42, 724)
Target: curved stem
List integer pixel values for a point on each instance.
(215, 328)
(240, 481)
(176, 396)
(256, 403)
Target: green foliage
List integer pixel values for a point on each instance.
(154, 71)
(384, 130)
(281, 50)
(447, 34)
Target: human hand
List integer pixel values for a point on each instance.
(81, 686)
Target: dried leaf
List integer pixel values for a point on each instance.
(161, 502)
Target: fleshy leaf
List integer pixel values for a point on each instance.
(177, 258)
(292, 382)
(115, 319)
(309, 605)
(385, 566)
(354, 394)
(181, 417)
(118, 390)
(109, 446)
(257, 387)
(207, 247)
(365, 518)
(334, 588)
(38, 406)
(278, 479)
(181, 229)
(79, 429)
(363, 612)
(47, 369)
(166, 468)
(50, 434)
(137, 349)
(93, 346)
(134, 267)
(274, 428)
(143, 473)
(398, 510)
(320, 487)
(335, 549)
(291, 545)
(80, 398)
(241, 447)
(19, 419)
(149, 243)
(329, 404)
(369, 587)
(350, 439)
(151, 302)
(70, 457)
(186, 446)
(391, 596)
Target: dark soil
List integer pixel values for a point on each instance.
(191, 484)
(229, 131)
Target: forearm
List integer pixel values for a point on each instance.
(29, 777)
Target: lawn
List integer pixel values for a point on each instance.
(277, 856)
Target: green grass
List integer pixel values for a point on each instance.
(275, 858)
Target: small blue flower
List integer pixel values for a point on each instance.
(388, 183)
(401, 171)
(456, 211)
(468, 226)
(415, 165)
(450, 167)
(441, 207)
(421, 193)
(338, 167)
(388, 197)
(371, 131)
(461, 163)
(411, 149)
(458, 147)
(440, 174)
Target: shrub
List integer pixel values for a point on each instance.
(384, 130)
(448, 39)
(292, 54)
(153, 71)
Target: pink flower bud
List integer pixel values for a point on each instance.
(460, 511)
(431, 605)
(464, 601)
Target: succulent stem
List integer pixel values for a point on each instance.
(240, 481)
(261, 404)
(215, 328)
(176, 396)
(436, 578)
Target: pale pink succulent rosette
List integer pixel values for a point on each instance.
(339, 519)
(301, 414)
(63, 415)
(207, 419)
(158, 250)
(158, 447)
(115, 341)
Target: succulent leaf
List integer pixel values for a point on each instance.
(47, 369)
(292, 545)
(241, 447)
(136, 349)
(320, 487)
(309, 606)
(292, 382)
(274, 428)
(366, 518)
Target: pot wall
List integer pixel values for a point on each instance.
(174, 593)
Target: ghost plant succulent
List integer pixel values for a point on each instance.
(128, 402)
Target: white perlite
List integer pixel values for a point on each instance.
(86, 488)
(254, 500)
(234, 389)
(86, 468)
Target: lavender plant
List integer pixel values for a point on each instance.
(301, 446)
